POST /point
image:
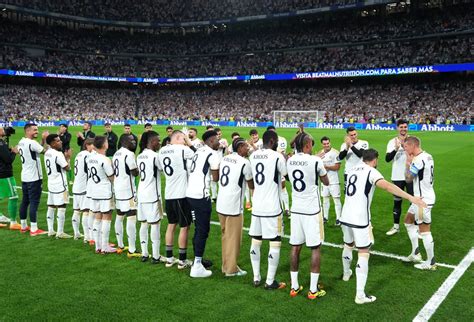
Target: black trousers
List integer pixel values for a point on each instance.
(201, 209)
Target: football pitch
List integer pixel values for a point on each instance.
(47, 279)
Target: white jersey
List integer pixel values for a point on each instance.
(258, 146)
(199, 181)
(304, 171)
(352, 159)
(124, 183)
(55, 162)
(29, 151)
(331, 158)
(197, 143)
(234, 171)
(398, 166)
(282, 145)
(422, 168)
(173, 162)
(149, 186)
(80, 173)
(268, 168)
(99, 186)
(359, 193)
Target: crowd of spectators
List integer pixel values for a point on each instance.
(433, 102)
(173, 11)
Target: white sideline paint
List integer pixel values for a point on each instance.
(440, 295)
(383, 254)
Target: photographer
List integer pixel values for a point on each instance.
(7, 181)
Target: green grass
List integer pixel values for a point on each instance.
(44, 278)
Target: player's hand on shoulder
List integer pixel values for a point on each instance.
(321, 154)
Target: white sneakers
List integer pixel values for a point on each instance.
(172, 262)
(197, 270)
(347, 275)
(62, 236)
(392, 231)
(425, 266)
(366, 299)
(413, 258)
(4, 219)
(185, 264)
(240, 272)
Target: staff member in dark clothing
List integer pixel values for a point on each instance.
(127, 130)
(86, 134)
(65, 138)
(112, 138)
(142, 144)
(7, 180)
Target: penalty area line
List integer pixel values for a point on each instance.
(440, 295)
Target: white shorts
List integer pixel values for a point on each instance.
(422, 216)
(80, 202)
(101, 205)
(333, 190)
(126, 205)
(307, 230)
(58, 199)
(148, 212)
(362, 237)
(266, 227)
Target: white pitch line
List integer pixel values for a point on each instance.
(375, 252)
(435, 301)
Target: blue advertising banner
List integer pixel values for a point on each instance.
(254, 124)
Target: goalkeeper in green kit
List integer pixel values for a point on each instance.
(7, 181)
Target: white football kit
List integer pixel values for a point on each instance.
(351, 158)
(203, 161)
(197, 143)
(268, 167)
(29, 151)
(55, 162)
(173, 160)
(99, 186)
(79, 187)
(149, 187)
(331, 158)
(422, 168)
(123, 163)
(355, 217)
(398, 163)
(234, 172)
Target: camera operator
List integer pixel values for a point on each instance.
(7, 180)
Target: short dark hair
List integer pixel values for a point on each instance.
(87, 122)
(325, 138)
(271, 127)
(208, 134)
(64, 124)
(350, 129)
(50, 138)
(268, 136)
(87, 142)
(209, 127)
(234, 134)
(169, 127)
(28, 125)
(236, 143)
(253, 131)
(194, 129)
(402, 121)
(217, 129)
(99, 141)
(126, 125)
(147, 125)
(301, 140)
(369, 155)
(149, 136)
(107, 124)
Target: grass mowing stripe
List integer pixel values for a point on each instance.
(435, 301)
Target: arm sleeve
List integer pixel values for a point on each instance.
(107, 165)
(247, 171)
(390, 155)
(91, 135)
(80, 142)
(214, 162)
(61, 161)
(132, 164)
(342, 155)
(321, 169)
(357, 151)
(6, 155)
(188, 153)
(375, 176)
(282, 166)
(36, 147)
(193, 148)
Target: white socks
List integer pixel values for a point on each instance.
(61, 220)
(96, 231)
(85, 225)
(119, 230)
(213, 189)
(273, 260)
(23, 223)
(413, 235)
(144, 238)
(294, 280)
(429, 246)
(50, 219)
(284, 199)
(326, 207)
(132, 233)
(313, 286)
(362, 270)
(155, 240)
(90, 224)
(337, 207)
(76, 220)
(255, 258)
(105, 232)
(347, 258)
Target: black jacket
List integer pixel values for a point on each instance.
(6, 160)
(66, 139)
(112, 138)
(87, 135)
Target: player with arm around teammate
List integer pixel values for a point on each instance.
(305, 171)
(268, 166)
(420, 171)
(355, 219)
(57, 165)
(234, 175)
(173, 160)
(125, 171)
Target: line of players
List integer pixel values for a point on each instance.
(190, 165)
